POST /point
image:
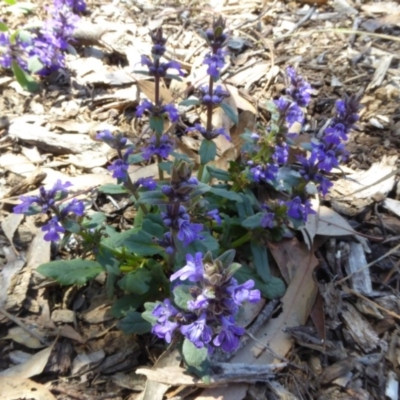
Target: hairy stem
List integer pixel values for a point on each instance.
(242, 240)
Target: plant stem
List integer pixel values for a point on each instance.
(242, 240)
(129, 185)
(209, 123)
(160, 171)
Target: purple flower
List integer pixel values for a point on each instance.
(216, 37)
(216, 97)
(149, 183)
(281, 154)
(189, 232)
(265, 173)
(192, 271)
(53, 229)
(165, 330)
(328, 162)
(168, 109)
(198, 332)
(297, 210)
(145, 105)
(117, 142)
(75, 206)
(167, 241)
(347, 111)
(26, 203)
(292, 112)
(229, 337)
(324, 184)
(13, 51)
(159, 41)
(201, 302)
(160, 69)
(255, 136)
(163, 149)
(242, 293)
(267, 220)
(215, 62)
(209, 135)
(48, 54)
(46, 198)
(299, 89)
(119, 169)
(164, 311)
(335, 134)
(76, 6)
(172, 112)
(214, 214)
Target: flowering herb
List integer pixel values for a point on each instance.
(41, 51)
(214, 297)
(177, 262)
(47, 203)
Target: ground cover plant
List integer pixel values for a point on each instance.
(188, 228)
(215, 257)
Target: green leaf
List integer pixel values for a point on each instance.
(157, 124)
(254, 221)
(3, 27)
(190, 102)
(208, 151)
(208, 243)
(10, 2)
(127, 303)
(260, 260)
(176, 77)
(227, 258)
(23, 78)
(196, 360)
(34, 64)
(94, 220)
(135, 158)
(71, 272)
(134, 323)
(106, 258)
(272, 289)
(154, 197)
(181, 156)
(112, 188)
(148, 314)
(199, 189)
(71, 225)
(227, 194)
(166, 166)
(136, 282)
(141, 243)
(24, 35)
(230, 112)
(219, 174)
(153, 226)
(182, 295)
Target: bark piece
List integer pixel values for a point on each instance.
(359, 329)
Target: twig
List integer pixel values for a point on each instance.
(344, 31)
(297, 26)
(351, 291)
(21, 324)
(391, 251)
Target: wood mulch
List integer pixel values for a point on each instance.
(347, 347)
